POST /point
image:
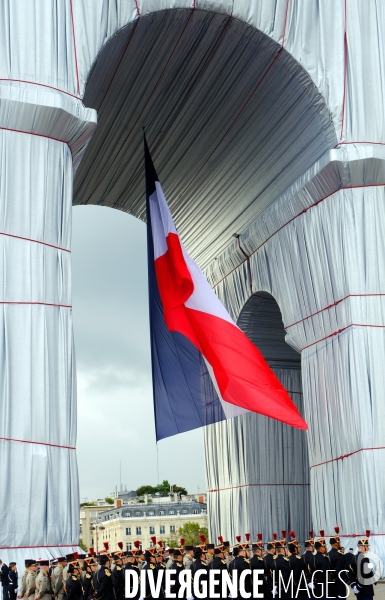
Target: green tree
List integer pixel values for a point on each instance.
(179, 490)
(87, 504)
(109, 500)
(82, 545)
(145, 489)
(190, 532)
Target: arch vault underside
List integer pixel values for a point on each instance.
(266, 125)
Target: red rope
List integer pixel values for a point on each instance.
(76, 544)
(5, 439)
(345, 70)
(341, 330)
(356, 143)
(39, 303)
(37, 135)
(19, 237)
(137, 8)
(51, 87)
(75, 52)
(235, 487)
(332, 305)
(346, 456)
(348, 187)
(285, 23)
(248, 264)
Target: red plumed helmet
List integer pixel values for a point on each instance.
(76, 555)
(105, 544)
(182, 541)
(367, 533)
(259, 536)
(247, 536)
(202, 538)
(120, 545)
(220, 538)
(311, 534)
(238, 538)
(322, 532)
(91, 551)
(292, 534)
(283, 533)
(274, 536)
(153, 539)
(137, 544)
(337, 529)
(160, 543)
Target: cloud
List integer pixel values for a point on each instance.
(115, 411)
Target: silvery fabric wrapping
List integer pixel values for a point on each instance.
(256, 111)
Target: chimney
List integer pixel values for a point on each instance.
(175, 497)
(145, 498)
(201, 499)
(118, 502)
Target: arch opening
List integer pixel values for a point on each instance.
(258, 468)
(231, 117)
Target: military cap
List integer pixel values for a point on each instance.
(61, 559)
(226, 544)
(335, 539)
(259, 544)
(320, 542)
(364, 541)
(293, 544)
(149, 552)
(235, 551)
(177, 551)
(130, 554)
(29, 562)
(271, 545)
(188, 548)
(218, 550)
(90, 561)
(72, 567)
(103, 559)
(11, 564)
(198, 552)
(43, 563)
(81, 556)
(210, 546)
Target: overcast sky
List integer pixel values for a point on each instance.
(112, 344)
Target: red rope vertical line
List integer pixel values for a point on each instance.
(75, 52)
(248, 264)
(345, 69)
(285, 23)
(137, 8)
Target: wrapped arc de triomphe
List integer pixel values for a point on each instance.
(267, 126)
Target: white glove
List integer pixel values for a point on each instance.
(311, 585)
(355, 589)
(275, 591)
(229, 596)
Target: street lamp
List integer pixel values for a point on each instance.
(97, 526)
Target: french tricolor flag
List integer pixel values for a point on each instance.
(204, 368)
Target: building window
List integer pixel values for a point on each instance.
(138, 513)
(128, 547)
(195, 512)
(162, 530)
(171, 512)
(151, 513)
(128, 530)
(172, 528)
(184, 511)
(152, 530)
(161, 512)
(138, 531)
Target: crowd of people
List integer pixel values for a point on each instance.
(287, 573)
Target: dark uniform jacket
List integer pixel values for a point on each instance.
(133, 567)
(199, 565)
(321, 564)
(356, 568)
(240, 564)
(87, 587)
(73, 587)
(269, 568)
(150, 567)
(337, 564)
(308, 559)
(282, 576)
(299, 570)
(218, 564)
(257, 562)
(117, 576)
(102, 584)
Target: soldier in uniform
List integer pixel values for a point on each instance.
(22, 589)
(358, 573)
(188, 555)
(210, 552)
(321, 564)
(81, 565)
(90, 569)
(117, 576)
(42, 582)
(337, 564)
(73, 584)
(168, 558)
(298, 567)
(242, 563)
(269, 565)
(57, 579)
(218, 563)
(308, 556)
(13, 581)
(30, 581)
(282, 570)
(131, 565)
(257, 562)
(199, 564)
(150, 565)
(101, 580)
